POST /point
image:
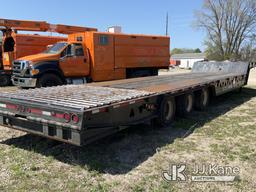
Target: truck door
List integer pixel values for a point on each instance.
(74, 61)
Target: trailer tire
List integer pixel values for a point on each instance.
(49, 80)
(185, 104)
(202, 99)
(5, 80)
(166, 112)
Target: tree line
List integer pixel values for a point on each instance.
(230, 26)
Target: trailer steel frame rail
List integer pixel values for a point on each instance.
(79, 114)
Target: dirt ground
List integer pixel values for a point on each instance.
(134, 159)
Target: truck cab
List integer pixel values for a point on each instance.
(53, 66)
(19, 45)
(74, 60)
(15, 46)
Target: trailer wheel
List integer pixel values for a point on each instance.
(185, 104)
(166, 112)
(202, 99)
(5, 80)
(49, 80)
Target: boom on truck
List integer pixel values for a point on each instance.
(19, 45)
(79, 114)
(94, 56)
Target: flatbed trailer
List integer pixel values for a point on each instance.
(80, 114)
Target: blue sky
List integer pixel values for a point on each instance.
(141, 16)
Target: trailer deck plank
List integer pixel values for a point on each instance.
(83, 97)
(167, 82)
(74, 96)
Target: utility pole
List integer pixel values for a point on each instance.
(166, 29)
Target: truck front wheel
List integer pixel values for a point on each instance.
(49, 80)
(5, 80)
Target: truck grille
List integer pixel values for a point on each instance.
(19, 67)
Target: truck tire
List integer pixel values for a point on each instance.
(5, 80)
(166, 112)
(185, 104)
(49, 80)
(202, 99)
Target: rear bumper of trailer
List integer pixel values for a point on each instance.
(59, 133)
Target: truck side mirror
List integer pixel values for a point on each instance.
(49, 46)
(70, 51)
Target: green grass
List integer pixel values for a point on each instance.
(134, 159)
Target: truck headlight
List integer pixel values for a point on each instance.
(29, 64)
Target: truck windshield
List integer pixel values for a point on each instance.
(56, 48)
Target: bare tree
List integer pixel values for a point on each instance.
(229, 25)
(248, 51)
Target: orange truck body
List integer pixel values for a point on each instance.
(20, 45)
(122, 52)
(25, 44)
(106, 56)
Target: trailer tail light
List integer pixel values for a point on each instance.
(13, 107)
(75, 118)
(36, 111)
(67, 117)
(58, 115)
